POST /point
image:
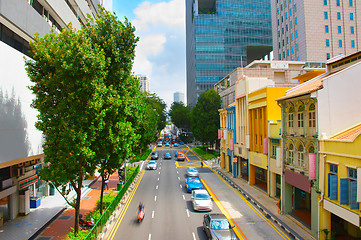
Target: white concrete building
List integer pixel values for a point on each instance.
(20, 142)
(144, 82)
(178, 97)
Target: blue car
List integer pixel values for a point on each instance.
(181, 143)
(167, 144)
(175, 144)
(193, 183)
(167, 156)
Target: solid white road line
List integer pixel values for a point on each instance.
(153, 214)
(187, 212)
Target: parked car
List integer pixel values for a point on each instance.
(192, 172)
(181, 143)
(193, 183)
(201, 200)
(160, 144)
(154, 156)
(217, 226)
(175, 144)
(167, 156)
(152, 165)
(167, 144)
(180, 156)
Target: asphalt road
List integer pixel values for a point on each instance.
(168, 210)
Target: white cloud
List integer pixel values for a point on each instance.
(167, 13)
(108, 5)
(148, 45)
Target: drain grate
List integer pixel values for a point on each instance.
(64, 217)
(44, 238)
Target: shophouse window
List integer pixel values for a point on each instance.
(352, 175)
(327, 42)
(274, 151)
(352, 30)
(300, 116)
(351, 16)
(326, 29)
(300, 156)
(328, 56)
(311, 116)
(351, 3)
(295, 7)
(325, 15)
(337, 3)
(340, 43)
(295, 20)
(353, 43)
(339, 30)
(290, 154)
(333, 182)
(325, 2)
(290, 117)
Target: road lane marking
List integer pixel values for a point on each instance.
(187, 212)
(156, 187)
(180, 185)
(178, 178)
(150, 236)
(153, 214)
(271, 224)
(158, 179)
(125, 208)
(251, 223)
(194, 236)
(158, 172)
(238, 230)
(184, 198)
(177, 172)
(155, 198)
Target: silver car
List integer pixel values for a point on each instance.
(201, 200)
(192, 172)
(152, 165)
(216, 226)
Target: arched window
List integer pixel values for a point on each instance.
(300, 116)
(300, 156)
(311, 149)
(290, 154)
(311, 116)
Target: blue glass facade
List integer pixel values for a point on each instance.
(218, 32)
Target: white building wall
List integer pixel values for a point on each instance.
(13, 83)
(339, 101)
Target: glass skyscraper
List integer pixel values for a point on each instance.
(217, 34)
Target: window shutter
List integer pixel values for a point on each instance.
(353, 195)
(344, 193)
(333, 186)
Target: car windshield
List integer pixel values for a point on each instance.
(180, 155)
(192, 170)
(202, 196)
(194, 181)
(152, 162)
(220, 224)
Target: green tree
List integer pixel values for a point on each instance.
(205, 117)
(68, 73)
(122, 115)
(180, 115)
(156, 103)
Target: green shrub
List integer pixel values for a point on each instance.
(141, 157)
(107, 199)
(205, 153)
(81, 235)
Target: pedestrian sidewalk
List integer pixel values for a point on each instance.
(266, 204)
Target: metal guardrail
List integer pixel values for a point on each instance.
(94, 232)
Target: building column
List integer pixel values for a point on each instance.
(325, 224)
(273, 184)
(252, 175)
(287, 197)
(222, 160)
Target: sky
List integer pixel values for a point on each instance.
(160, 52)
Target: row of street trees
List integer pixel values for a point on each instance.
(91, 111)
(202, 120)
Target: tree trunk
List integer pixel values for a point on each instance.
(77, 205)
(101, 196)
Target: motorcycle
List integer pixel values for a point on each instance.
(141, 215)
(86, 224)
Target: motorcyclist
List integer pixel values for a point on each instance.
(141, 209)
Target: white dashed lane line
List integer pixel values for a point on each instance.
(187, 212)
(156, 187)
(155, 198)
(153, 214)
(184, 198)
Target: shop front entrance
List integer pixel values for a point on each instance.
(244, 168)
(261, 178)
(302, 206)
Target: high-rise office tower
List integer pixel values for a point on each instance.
(178, 97)
(314, 31)
(217, 35)
(144, 82)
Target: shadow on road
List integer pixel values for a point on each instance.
(201, 234)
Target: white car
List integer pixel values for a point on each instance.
(201, 200)
(192, 172)
(152, 165)
(159, 144)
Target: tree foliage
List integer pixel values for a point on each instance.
(88, 100)
(159, 106)
(180, 115)
(205, 117)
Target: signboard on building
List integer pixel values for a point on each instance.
(279, 65)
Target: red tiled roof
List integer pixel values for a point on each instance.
(350, 134)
